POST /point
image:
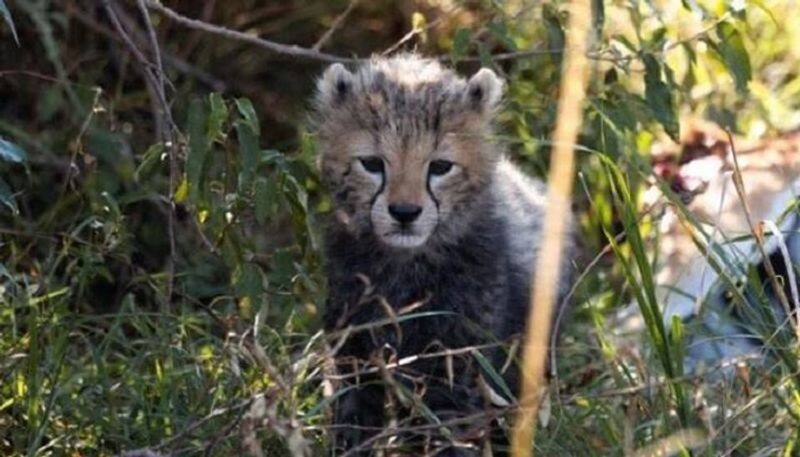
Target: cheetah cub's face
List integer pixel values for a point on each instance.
(405, 147)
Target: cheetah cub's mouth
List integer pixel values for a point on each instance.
(403, 235)
(405, 147)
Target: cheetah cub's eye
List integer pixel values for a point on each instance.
(440, 167)
(373, 164)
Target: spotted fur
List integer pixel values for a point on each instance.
(466, 260)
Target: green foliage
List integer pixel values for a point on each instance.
(643, 287)
(731, 50)
(659, 97)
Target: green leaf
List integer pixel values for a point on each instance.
(217, 117)
(692, 6)
(7, 197)
(273, 157)
(616, 115)
(555, 33)
(623, 40)
(266, 198)
(329, 400)
(296, 194)
(247, 280)
(659, 98)
(198, 148)
(111, 205)
(485, 56)
(182, 192)
(461, 41)
(248, 153)
(282, 268)
(657, 38)
(500, 32)
(676, 340)
(10, 152)
(734, 55)
(7, 16)
(247, 111)
(150, 161)
(50, 102)
(496, 378)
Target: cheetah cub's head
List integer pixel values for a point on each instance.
(406, 147)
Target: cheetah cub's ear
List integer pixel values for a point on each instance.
(334, 86)
(484, 91)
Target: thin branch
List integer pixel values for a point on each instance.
(790, 275)
(334, 26)
(112, 15)
(168, 136)
(171, 60)
(486, 415)
(409, 360)
(286, 49)
(313, 53)
(154, 76)
(757, 231)
(169, 140)
(411, 34)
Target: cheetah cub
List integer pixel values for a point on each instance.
(430, 248)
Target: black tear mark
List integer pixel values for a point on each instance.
(377, 193)
(430, 193)
(376, 140)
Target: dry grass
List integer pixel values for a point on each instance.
(556, 228)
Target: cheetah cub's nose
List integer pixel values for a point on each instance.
(405, 213)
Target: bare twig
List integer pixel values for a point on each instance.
(485, 415)
(411, 34)
(286, 49)
(757, 231)
(669, 46)
(545, 282)
(334, 26)
(154, 77)
(790, 276)
(170, 60)
(159, 68)
(77, 144)
(670, 445)
(313, 53)
(169, 139)
(112, 15)
(409, 360)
